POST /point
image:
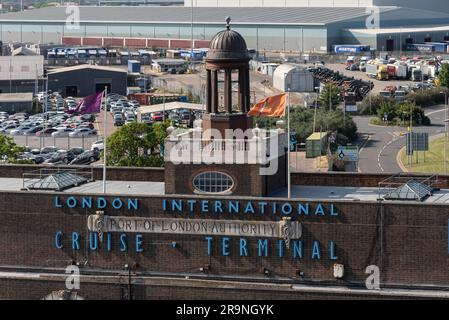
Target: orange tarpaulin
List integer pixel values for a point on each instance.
(273, 106)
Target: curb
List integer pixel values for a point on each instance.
(399, 154)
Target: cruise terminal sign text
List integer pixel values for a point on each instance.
(109, 232)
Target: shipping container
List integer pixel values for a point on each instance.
(421, 47)
(440, 47)
(133, 66)
(351, 49)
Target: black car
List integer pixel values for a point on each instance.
(76, 151)
(61, 157)
(87, 157)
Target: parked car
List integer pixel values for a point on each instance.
(98, 145)
(60, 157)
(87, 157)
(49, 149)
(20, 130)
(82, 132)
(32, 131)
(76, 151)
(118, 120)
(46, 132)
(157, 116)
(62, 133)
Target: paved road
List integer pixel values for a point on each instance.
(379, 153)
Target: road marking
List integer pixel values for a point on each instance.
(433, 112)
(395, 138)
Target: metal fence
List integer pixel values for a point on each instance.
(62, 142)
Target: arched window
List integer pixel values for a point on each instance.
(213, 182)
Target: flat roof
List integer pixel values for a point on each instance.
(16, 97)
(399, 30)
(169, 106)
(301, 193)
(240, 15)
(85, 66)
(113, 187)
(352, 194)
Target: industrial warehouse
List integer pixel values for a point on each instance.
(222, 229)
(291, 28)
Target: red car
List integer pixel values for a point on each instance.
(157, 116)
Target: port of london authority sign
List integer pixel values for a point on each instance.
(270, 229)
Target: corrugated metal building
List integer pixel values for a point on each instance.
(16, 102)
(287, 29)
(19, 73)
(84, 80)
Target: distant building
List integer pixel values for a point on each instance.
(83, 80)
(16, 102)
(21, 73)
(296, 29)
(292, 77)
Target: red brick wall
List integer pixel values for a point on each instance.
(92, 42)
(113, 173)
(345, 179)
(76, 41)
(135, 42)
(414, 238)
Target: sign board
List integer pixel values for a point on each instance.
(419, 142)
(348, 153)
(351, 108)
(237, 228)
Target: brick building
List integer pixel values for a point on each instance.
(219, 228)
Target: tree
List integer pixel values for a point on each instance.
(137, 145)
(9, 150)
(418, 116)
(302, 123)
(387, 108)
(444, 75)
(331, 94)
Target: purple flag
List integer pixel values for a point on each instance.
(90, 104)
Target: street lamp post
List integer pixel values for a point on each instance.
(445, 132)
(316, 106)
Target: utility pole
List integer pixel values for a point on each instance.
(316, 106)
(445, 132)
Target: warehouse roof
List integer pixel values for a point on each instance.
(281, 16)
(399, 30)
(86, 66)
(169, 106)
(16, 97)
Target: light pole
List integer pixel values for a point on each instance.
(445, 132)
(289, 183)
(316, 106)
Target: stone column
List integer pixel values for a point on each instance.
(208, 92)
(247, 89)
(242, 90)
(228, 91)
(215, 91)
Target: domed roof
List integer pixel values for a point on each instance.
(228, 44)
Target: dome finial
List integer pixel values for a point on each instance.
(228, 23)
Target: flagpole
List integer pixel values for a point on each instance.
(289, 187)
(105, 93)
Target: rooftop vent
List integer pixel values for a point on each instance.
(412, 190)
(57, 180)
